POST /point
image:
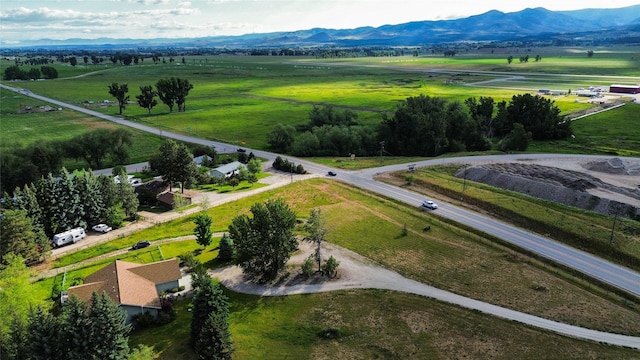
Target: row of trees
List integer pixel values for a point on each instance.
(16, 73)
(56, 204)
(172, 92)
(427, 126)
(23, 165)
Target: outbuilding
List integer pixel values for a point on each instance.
(625, 89)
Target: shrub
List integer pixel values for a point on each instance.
(330, 267)
(307, 267)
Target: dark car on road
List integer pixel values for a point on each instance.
(140, 245)
(331, 173)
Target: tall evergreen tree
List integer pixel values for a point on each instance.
(67, 210)
(207, 299)
(91, 200)
(16, 347)
(18, 236)
(225, 251)
(28, 201)
(109, 332)
(214, 341)
(75, 326)
(42, 336)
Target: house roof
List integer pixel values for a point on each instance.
(227, 168)
(129, 283)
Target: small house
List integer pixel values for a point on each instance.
(226, 170)
(136, 288)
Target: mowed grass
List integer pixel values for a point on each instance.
(445, 257)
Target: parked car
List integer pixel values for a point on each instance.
(331, 173)
(140, 245)
(242, 150)
(429, 204)
(103, 228)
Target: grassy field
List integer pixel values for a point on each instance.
(445, 257)
(238, 99)
(587, 230)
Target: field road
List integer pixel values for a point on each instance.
(605, 271)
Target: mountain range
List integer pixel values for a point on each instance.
(621, 25)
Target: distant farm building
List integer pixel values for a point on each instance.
(587, 93)
(625, 89)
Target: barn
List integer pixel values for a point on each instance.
(625, 89)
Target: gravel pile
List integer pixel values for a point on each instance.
(554, 184)
(613, 166)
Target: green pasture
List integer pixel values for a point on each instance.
(21, 128)
(238, 99)
(613, 132)
(606, 61)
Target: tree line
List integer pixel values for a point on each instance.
(171, 91)
(426, 126)
(16, 73)
(23, 165)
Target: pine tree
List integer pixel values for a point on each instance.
(225, 251)
(214, 341)
(68, 212)
(91, 200)
(16, 346)
(109, 334)
(207, 299)
(202, 231)
(75, 325)
(42, 336)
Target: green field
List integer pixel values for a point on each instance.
(238, 99)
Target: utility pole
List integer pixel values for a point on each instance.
(464, 182)
(381, 150)
(613, 228)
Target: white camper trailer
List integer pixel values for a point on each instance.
(69, 236)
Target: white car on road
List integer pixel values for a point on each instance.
(429, 204)
(103, 228)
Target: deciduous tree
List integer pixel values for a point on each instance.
(264, 243)
(317, 229)
(119, 91)
(147, 98)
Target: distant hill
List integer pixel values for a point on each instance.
(537, 23)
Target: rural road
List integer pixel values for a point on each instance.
(607, 272)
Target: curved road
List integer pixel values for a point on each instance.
(607, 272)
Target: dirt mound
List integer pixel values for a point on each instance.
(554, 184)
(613, 166)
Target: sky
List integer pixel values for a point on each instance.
(24, 20)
